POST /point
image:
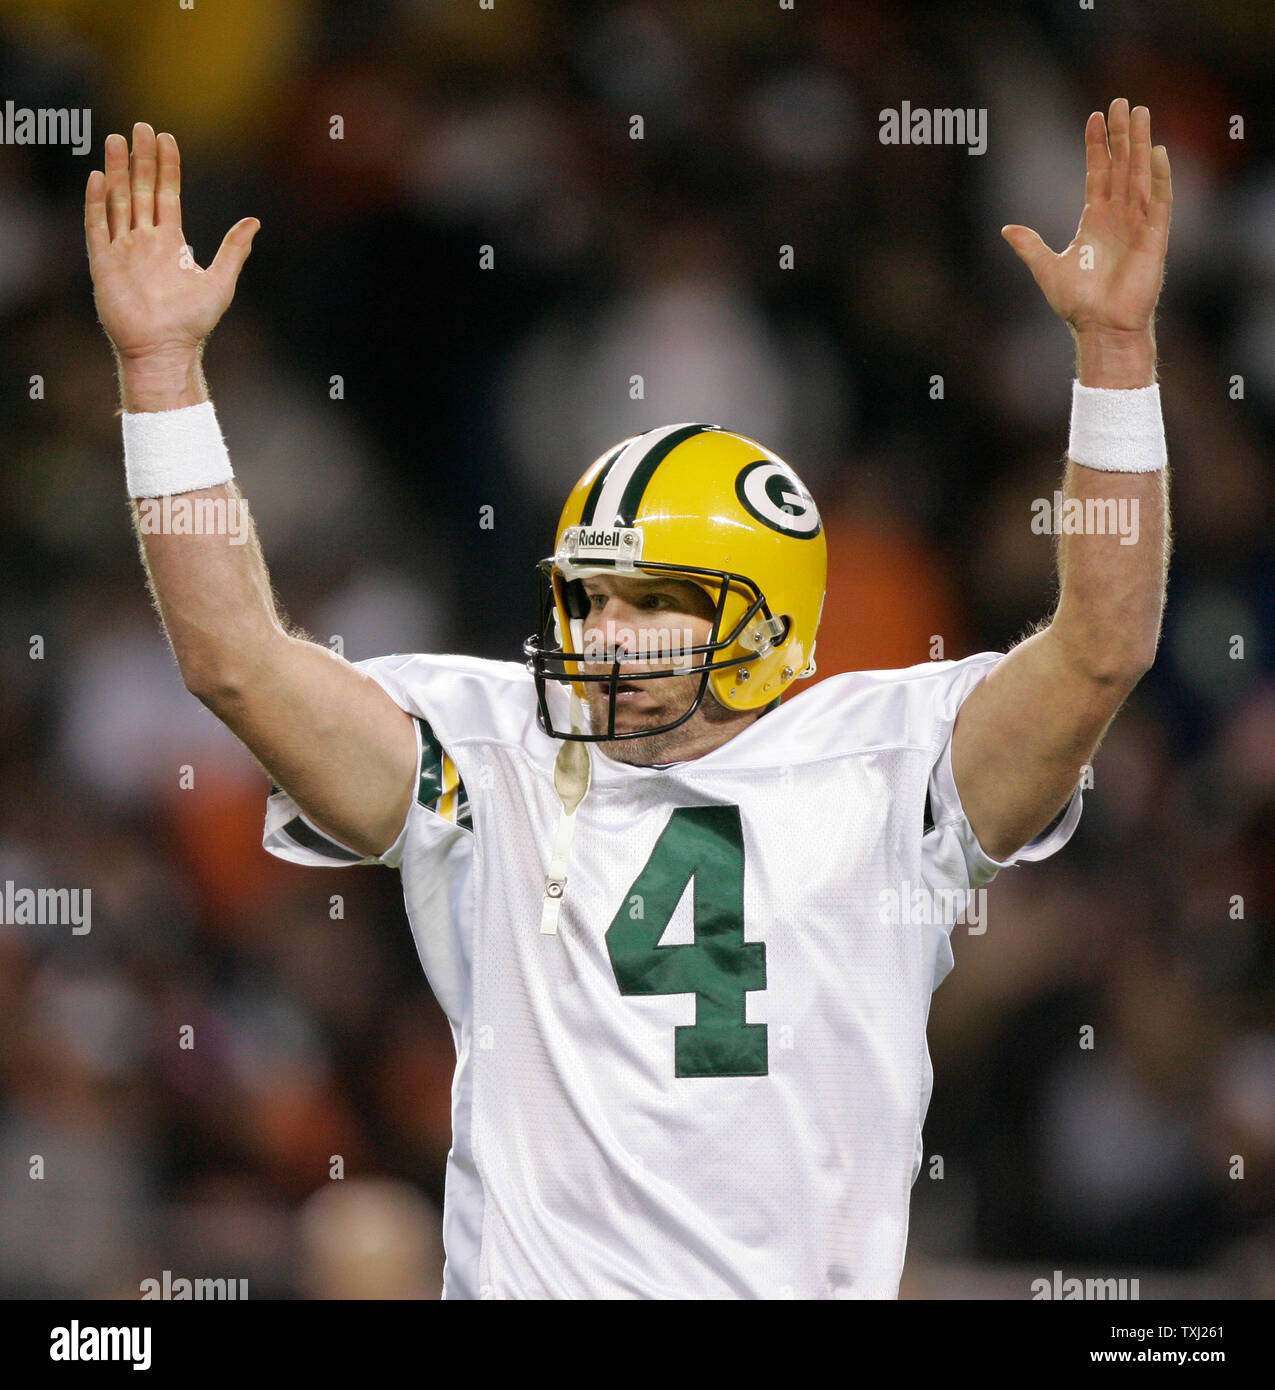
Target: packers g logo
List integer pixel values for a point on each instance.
(775, 496)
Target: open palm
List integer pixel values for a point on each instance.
(1108, 279)
(151, 296)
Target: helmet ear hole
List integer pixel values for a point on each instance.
(765, 634)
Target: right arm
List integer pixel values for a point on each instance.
(328, 735)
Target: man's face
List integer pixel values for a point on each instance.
(657, 621)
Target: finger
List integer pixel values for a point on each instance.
(168, 182)
(119, 202)
(1140, 155)
(1097, 160)
(97, 234)
(1028, 244)
(1161, 190)
(233, 251)
(1118, 126)
(142, 182)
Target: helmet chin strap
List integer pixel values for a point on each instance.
(571, 770)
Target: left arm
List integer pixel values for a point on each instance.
(1025, 731)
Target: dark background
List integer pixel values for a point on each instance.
(464, 388)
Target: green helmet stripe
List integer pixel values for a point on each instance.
(591, 501)
(645, 471)
(616, 493)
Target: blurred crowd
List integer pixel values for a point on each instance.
(379, 388)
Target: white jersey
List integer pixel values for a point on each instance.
(710, 1081)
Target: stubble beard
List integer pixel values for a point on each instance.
(674, 745)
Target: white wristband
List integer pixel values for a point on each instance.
(168, 451)
(1117, 431)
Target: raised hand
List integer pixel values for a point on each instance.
(1106, 283)
(153, 300)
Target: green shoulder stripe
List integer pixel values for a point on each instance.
(440, 789)
(430, 787)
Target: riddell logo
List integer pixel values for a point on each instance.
(624, 543)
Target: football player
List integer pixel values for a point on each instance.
(666, 897)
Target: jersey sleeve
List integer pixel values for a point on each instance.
(290, 835)
(424, 687)
(952, 855)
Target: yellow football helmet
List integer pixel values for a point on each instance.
(706, 505)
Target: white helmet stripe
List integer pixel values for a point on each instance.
(620, 474)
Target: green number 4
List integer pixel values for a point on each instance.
(704, 844)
